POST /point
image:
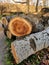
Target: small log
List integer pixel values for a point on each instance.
(23, 48)
(4, 21)
(46, 15)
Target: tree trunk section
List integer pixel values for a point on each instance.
(37, 5)
(23, 48)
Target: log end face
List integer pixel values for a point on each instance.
(14, 53)
(20, 27)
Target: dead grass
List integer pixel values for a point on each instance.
(19, 7)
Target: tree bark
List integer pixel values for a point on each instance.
(23, 48)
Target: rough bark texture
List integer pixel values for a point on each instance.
(23, 48)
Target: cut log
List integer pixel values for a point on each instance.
(23, 48)
(31, 24)
(4, 21)
(19, 26)
(24, 25)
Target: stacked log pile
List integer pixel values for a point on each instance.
(28, 34)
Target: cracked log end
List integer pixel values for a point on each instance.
(19, 26)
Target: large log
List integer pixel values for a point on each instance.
(27, 24)
(24, 47)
